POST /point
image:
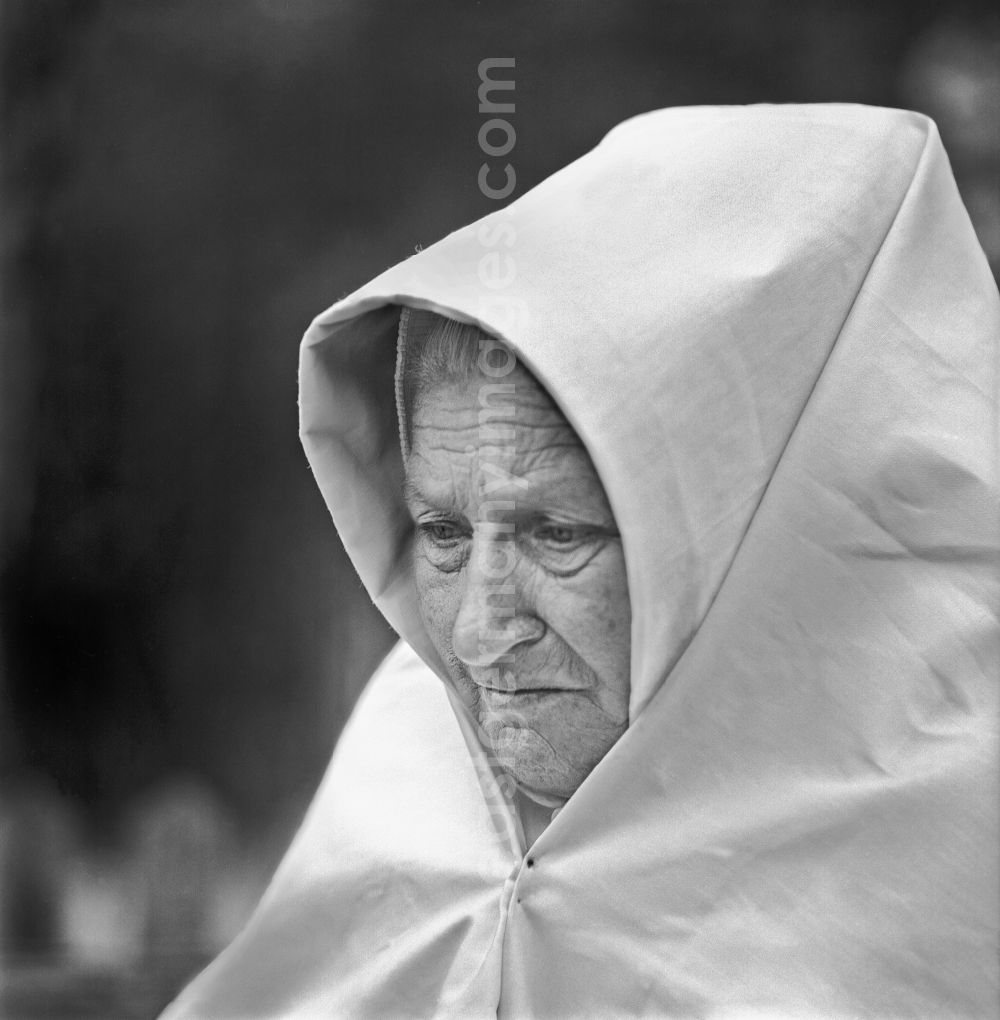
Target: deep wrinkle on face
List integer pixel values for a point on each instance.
(521, 580)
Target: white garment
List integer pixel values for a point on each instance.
(776, 333)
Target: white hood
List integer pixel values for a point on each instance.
(778, 337)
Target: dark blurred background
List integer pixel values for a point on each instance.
(184, 185)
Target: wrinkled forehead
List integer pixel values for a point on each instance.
(499, 410)
(512, 430)
(454, 376)
(474, 436)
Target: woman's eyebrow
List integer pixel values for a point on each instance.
(411, 494)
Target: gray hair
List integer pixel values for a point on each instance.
(432, 349)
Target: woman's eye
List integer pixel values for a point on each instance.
(441, 532)
(443, 544)
(558, 534)
(565, 549)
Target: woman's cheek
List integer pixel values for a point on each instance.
(591, 614)
(591, 607)
(438, 595)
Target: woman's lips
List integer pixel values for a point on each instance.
(504, 684)
(514, 692)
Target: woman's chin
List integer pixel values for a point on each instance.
(533, 764)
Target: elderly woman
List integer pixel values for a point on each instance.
(678, 479)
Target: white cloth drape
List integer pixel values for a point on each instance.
(776, 333)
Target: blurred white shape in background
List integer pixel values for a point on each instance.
(953, 74)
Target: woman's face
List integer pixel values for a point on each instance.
(520, 575)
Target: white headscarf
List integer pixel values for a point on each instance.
(780, 341)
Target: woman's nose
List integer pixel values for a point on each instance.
(495, 614)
